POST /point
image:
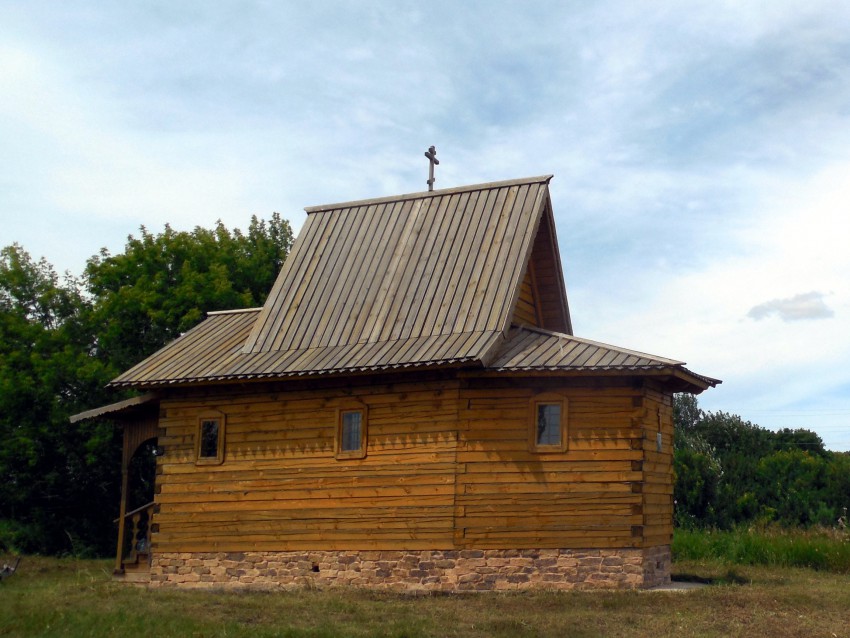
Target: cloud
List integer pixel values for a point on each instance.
(807, 305)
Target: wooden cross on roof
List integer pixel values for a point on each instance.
(431, 154)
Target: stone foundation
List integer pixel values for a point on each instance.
(427, 571)
(657, 563)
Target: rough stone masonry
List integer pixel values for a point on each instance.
(425, 571)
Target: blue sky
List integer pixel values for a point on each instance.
(701, 151)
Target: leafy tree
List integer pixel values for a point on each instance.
(800, 439)
(61, 342)
(162, 285)
(695, 491)
(686, 413)
(54, 475)
(791, 484)
(837, 488)
(730, 471)
(696, 467)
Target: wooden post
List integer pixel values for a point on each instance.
(122, 508)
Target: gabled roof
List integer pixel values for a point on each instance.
(423, 279)
(431, 279)
(388, 270)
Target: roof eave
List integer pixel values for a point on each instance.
(305, 375)
(132, 404)
(683, 379)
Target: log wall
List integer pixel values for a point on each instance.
(448, 466)
(526, 311)
(280, 486)
(657, 418)
(590, 496)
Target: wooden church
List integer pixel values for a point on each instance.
(408, 410)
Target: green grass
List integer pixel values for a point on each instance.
(821, 549)
(64, 597)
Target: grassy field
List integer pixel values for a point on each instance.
(65, 597)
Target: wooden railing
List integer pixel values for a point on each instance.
(136, 533)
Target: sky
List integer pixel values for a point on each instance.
(701, 151)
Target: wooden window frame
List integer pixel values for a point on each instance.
(547, 399)
(210, 415)
(343, 409)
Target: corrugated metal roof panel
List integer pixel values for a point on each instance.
(534, 349)
(212, 345)
(212, 351)
(402, 268)
(127, 405)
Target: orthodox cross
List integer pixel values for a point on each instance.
(431, 154)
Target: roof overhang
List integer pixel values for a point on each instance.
(678, 379)
(123, 408)
(456, 364)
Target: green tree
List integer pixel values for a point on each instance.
(696, 467)
(799, 439)
(730, 471)
(61, 342)
(54, 475)
(695, 491)
(792, 485)
(162, 285)
(837, 488)
(686, 413)
(739, 445)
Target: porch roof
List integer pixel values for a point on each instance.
(126, 406)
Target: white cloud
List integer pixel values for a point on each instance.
(808, 305)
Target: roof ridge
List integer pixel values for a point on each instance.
(425, 194)
(602, 344)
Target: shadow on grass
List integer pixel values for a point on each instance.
(731, 577)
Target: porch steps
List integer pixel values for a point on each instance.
(136, 571)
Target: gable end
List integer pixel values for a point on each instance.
(541, 296)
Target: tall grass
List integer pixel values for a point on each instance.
(822, 549)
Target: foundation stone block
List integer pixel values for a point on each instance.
(428, 571)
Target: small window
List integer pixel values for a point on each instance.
(548, 424)
(352, 438)
(351, 433)
(548, 432)
(209, 447)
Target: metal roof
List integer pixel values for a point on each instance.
(420, 280)
(121, 407)
(423, 265)
(212, 351)
(533, 349)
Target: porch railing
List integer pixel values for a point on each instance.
(135, 531)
